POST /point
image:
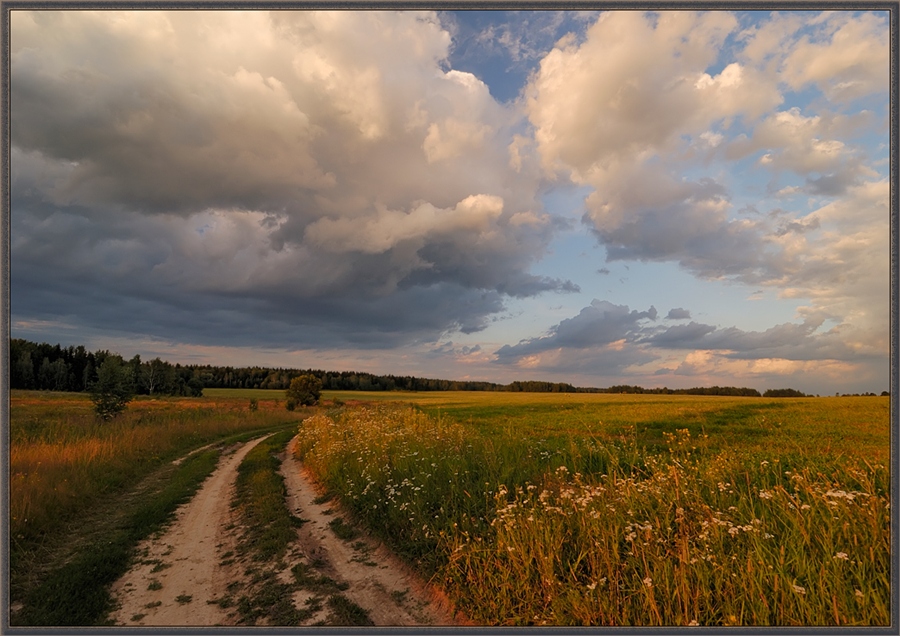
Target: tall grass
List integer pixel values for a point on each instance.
(77, 592)
(654, 527)
(62, 459)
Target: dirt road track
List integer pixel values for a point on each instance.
(184, 562)
(179, 576)
(379, 583)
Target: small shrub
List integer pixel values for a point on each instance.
(305, 390)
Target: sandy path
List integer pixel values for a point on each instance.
(179, 575)
(181, 570)
(379, 583)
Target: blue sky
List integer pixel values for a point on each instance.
(666, 199)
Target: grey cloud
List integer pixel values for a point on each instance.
(681, 336)
(793, 341)
(601, 323)
(691, 232)
(832, 185)
(677, 313)
(797, 227)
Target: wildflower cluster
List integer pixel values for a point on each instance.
(407, 474)
(607, 533)
(681, 542)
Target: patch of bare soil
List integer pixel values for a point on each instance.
(184, 576)
(180, 574)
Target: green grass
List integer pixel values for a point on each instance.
(342, 530)
(63, 460)
(74, 480)
(270, 531)
(246, 394)
(77, 593)
(346, 612)
(626, 510)
(260, 493)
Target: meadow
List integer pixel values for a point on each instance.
(525, 508)
(65, 464)
(596, 509)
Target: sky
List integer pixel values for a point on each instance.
(666, 198)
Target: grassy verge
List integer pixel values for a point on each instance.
(63, 460)
(77, 593)
(643, 523)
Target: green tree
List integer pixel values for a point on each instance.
(24, 372)
(113, 389)
(304, 390)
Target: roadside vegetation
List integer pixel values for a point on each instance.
(77, 592)
(625, 510)
(66, 465)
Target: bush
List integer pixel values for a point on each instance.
(305, 390)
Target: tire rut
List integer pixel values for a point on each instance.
(179, 574)
(378, 582)
(182, 575)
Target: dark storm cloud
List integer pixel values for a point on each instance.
(262, 179)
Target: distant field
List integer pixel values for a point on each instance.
(596, 509)
(259, 394)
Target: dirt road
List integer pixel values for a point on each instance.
(181, 577)
(181, 570)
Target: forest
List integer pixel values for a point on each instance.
(74, 368)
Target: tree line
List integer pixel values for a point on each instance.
(56, 368)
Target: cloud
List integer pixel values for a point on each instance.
(325, 170)
(619, 345)
(677, 313)
(846, 57)
(633, 110)
(599, 324)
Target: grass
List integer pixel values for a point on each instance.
(260, 493)
(342, 530)
(77, 592)
(74, 496)
(270, 531)
(626, 510)
(346, 612)
(62, 459)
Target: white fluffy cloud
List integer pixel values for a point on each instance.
(627, 110)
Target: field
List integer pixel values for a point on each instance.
(64, 463)
(624, 510)
(525, 509)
